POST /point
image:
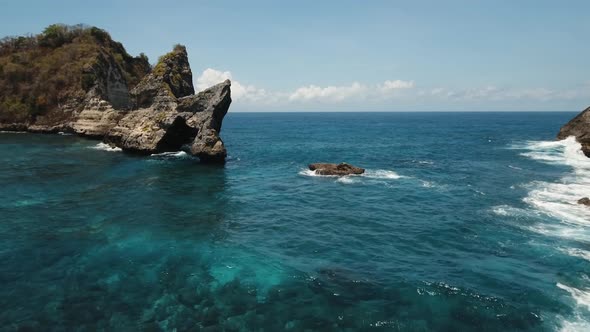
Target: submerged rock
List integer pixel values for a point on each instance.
(335, 169)
(578, 127)
(584, 201)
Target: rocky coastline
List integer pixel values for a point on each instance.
(159, 112)
(578, 127)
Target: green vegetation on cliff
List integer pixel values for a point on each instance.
(40, 74)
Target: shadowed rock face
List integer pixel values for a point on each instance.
(580, 128)
(193, 120)
(169, 115)
(336, 169)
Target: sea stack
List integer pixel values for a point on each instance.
(580, 128)
(341, 169)
(76, 79)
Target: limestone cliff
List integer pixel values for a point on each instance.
(108, 94)
(580, 128)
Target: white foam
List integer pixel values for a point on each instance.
(576, 252)
(346, 180)
(560, 199)
(105, 147)
(582, 297)
(579, 325)
(510, 211)
(381, 174)
(428, 184)
(173, 154)
(370, 174)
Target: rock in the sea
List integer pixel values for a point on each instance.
(584, 201)
(335, 169)
(580, 128)
(194, 120)
(171, 116)
(107, 94)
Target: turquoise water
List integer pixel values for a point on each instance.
(463, 222)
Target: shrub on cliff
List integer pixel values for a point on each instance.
(40, 73)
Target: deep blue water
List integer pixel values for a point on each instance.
(463, 222)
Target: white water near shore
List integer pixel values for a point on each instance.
(105, 147)
(559, 200)
(379, 174)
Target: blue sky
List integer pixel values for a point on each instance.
(355, 55)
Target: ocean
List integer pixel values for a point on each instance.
(462, 222)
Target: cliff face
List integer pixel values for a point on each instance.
(77, 79)
(580, 128)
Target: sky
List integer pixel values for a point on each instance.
(455, 55)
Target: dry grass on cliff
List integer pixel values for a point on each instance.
(38, 74)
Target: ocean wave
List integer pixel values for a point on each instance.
(173, 154)
(559, 199)
(576, 252)
(105, 147)
(582, 297)
(369, 174)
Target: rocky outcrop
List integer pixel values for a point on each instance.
(580, 128)
(171, 79)
(155, 130)
(341, 169)
(584, 201)
(167, 118)
(96, 119)
(117, 98)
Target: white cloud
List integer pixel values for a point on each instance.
(210, 77)
(397, 84)
(386, 94)
(493, 93)
(329, 93)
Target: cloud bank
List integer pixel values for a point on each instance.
(388, 93)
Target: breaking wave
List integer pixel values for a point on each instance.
(169, 155)
(105, 147)
(349, 179)
(559, 200)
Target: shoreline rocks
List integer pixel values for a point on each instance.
(584, 201)
(578, 127)
(158, 112)
(341, 169)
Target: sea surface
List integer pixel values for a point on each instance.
(462, 222)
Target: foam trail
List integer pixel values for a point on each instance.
(560, 199)
(369, 174)
(173, 154)
(381, 174)
(105, 147)
(582, 297)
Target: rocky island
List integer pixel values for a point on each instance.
(341, 169)
(76, 79)
(580, 128)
